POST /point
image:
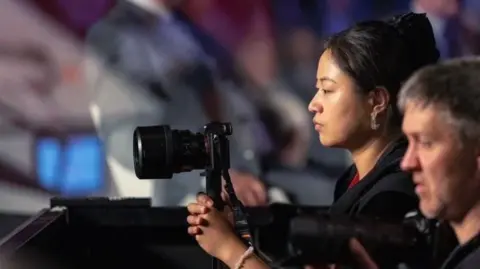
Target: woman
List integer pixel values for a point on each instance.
(358, 77)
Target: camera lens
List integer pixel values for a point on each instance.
(153, 152)
(159, 152)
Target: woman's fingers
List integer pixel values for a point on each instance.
(194, 230)
(196, 220)
(204, 199)
(196, 209)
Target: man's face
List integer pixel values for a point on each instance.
(444, 170)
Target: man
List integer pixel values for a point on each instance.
(145, 68)
(441, 107)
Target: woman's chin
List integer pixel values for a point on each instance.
(330, 142)
(325, 141)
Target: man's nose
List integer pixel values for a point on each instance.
(410, 160)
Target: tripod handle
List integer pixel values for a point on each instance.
(214, 188)
(214, 191)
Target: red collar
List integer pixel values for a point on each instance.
(354, 181)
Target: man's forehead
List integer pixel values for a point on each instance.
(419, 116)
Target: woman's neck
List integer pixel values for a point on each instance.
(366, 156)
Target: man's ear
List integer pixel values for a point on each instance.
(379, 99)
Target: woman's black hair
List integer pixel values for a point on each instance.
(385, 53)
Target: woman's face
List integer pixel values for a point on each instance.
(342, 115)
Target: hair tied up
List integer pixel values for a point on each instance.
(403, 23)
(416, 31)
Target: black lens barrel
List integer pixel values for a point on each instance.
(159, 152)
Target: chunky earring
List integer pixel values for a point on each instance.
(373, 123)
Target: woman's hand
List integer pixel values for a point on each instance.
(205, 200)
(213, 231)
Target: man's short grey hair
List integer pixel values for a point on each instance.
(453, 87)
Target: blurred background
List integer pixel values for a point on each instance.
(64, 134)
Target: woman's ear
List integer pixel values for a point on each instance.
(379, 99)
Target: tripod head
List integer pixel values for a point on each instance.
(218, 149)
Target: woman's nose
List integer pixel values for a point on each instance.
(315, 106)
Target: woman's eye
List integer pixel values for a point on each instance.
(325, 91)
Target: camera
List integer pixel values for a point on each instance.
(318, 237)
(297, 235)
(159, 151)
